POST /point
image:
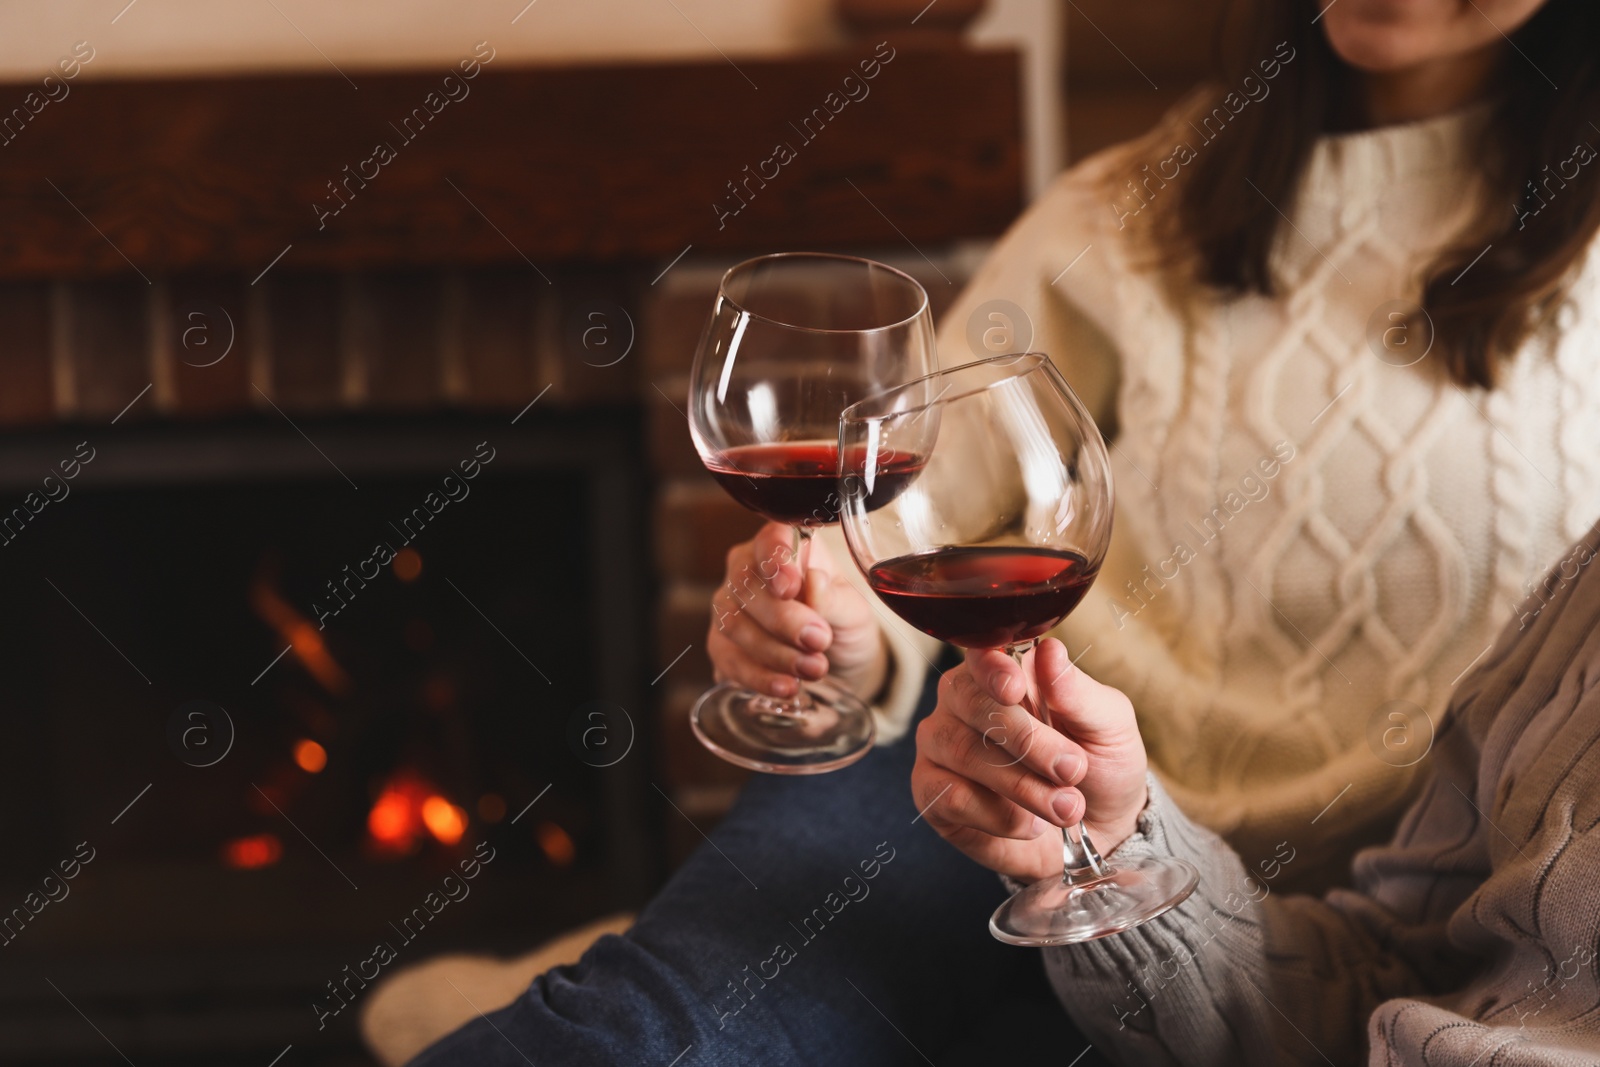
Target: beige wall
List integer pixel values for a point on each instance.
(210, 36)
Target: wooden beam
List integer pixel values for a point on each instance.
(541, 166)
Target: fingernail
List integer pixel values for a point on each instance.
(1067, 768)
(812, 666)
(1065, 805)
(814, 637)
(1040, 826)
(784, 687)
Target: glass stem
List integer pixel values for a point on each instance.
(802, 552)
(1080, 860)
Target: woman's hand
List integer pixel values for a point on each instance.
(763, 632)
(996, 783)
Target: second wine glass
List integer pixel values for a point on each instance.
(997, 539)
(794, 338)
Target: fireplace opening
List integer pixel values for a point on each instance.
(292, 713)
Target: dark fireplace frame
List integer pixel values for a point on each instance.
(253, 1000)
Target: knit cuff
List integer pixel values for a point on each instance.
(1223, 893)
(1138, 839)
(1150, 825)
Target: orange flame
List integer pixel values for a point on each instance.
(409, 807)
(304, 638)
(394, 822)
(444, 820)
(556, 843)
(310, 756)
(250, 853)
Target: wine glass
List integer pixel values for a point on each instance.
(793, 339)
(992, 544)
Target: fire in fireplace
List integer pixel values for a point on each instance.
(274, 701)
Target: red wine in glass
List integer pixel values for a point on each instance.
(797, 482)
(984, 597)
(794, 339)
(994, 542)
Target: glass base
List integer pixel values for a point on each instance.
(828, 727)
(1052, 912)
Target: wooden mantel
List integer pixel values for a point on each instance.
(526, 165)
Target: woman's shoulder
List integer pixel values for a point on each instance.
(1118, 192)
(1091, 242)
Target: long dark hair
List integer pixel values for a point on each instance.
(1512, 290)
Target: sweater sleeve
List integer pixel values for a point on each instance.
(1471, 938)
(1239, 974)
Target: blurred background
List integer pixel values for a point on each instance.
(350, 531)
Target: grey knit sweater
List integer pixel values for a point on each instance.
(1473, 938)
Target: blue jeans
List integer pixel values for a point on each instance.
(822, 923)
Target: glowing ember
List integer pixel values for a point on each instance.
(249, 853)
(310, 756)
(409, 809)
(444, 820)
(395, 821)
(407, 564)
(556, 843)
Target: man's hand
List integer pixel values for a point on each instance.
(997, 782)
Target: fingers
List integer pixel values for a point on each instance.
(772, 560)
(770, 620)
(951, 744)
(835, 599)
(989, 829)
(774, 547)
(759, 583)
(744, 651)
(793, 622)
(1008, 737)
(763, 581)
(1022, 860)
(771, 650)
(732, 665)
(1092, 712)
(949, 801)
(842, 608)
(997, 674)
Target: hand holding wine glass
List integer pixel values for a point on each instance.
(994, 782)
(992, 544)
(793, 339)
(774, 625)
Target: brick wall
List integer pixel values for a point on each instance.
(311, 344)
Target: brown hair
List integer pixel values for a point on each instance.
(1508, 294)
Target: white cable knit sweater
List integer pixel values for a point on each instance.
(1282, 616)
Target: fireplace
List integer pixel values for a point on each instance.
(292, 691)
